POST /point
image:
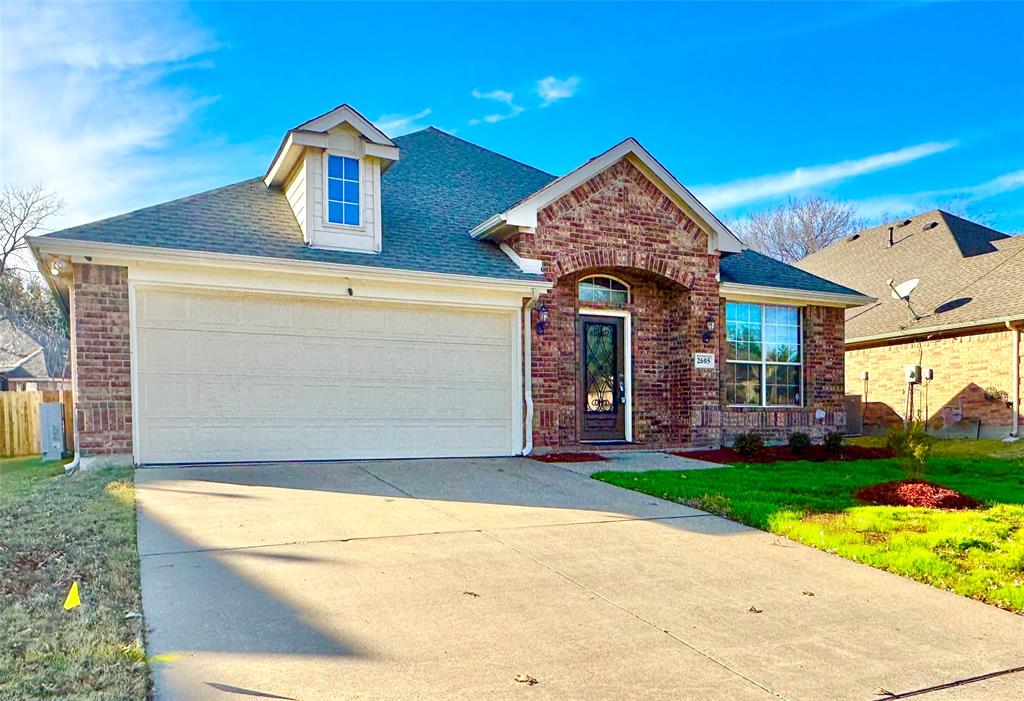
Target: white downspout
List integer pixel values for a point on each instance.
(72, 466)
(1015, 369)
(528, 373)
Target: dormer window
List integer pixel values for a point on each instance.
(342, 190)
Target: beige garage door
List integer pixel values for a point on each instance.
(224, 377)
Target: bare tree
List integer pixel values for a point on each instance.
(23, 212)
(800, 227)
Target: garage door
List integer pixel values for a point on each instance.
(225, 377)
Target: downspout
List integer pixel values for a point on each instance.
(528, 373)
(1015, 368)
(72, 466)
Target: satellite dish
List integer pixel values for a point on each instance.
(903, 290)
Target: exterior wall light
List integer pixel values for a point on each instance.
(707, 335)
(542, 319)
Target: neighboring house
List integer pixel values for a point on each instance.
(423, 296)
(969, 309)
(23, 362)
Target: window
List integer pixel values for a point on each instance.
(343, 190)
(762, 355)
(603, 289)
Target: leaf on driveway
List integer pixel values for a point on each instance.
(807, 593)
(472, 593)
(527, 679)
(754, 609)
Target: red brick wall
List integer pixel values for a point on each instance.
(101, 367)
(965, 367)
(621, 223)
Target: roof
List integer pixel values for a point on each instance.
(752, 268)
(16, 347)
(441, 187)
(970, 275)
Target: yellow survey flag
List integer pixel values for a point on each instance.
(72, 601)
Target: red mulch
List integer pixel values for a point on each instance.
(914, 493)
(780, 453)
(569, 457)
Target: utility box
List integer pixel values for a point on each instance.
(913, 374)
(51, 430)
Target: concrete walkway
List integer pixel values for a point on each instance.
(637, 461)
(454, 578)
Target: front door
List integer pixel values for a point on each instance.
(602, 394)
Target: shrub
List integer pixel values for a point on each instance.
(834, 442)
(799, 442)
(913, 445)
(748, 444)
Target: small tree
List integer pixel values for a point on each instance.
(800, 227)
(913, 445)
(23, 212)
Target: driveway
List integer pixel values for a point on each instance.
(449, 579)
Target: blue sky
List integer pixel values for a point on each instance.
(896, 108)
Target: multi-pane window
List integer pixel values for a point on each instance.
(607, 290)
(343, 190)
(762, 355)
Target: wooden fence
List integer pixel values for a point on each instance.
(19, 421)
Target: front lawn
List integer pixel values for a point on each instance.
(55, 530)
(977, 553)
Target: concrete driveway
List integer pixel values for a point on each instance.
(449, 579)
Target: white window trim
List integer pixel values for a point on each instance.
(328, 224)
(627, 332)
(764, 363)
(629, 288)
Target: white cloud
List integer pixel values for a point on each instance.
(497, 95)
(551, 89)
(768, 186)
(398, 124)
(86, 110)
(503, 96)
(887, 206)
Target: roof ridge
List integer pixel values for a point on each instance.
(158, 205)
(479, 148)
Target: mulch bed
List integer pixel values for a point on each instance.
(914, 493)
(780, 453)
(569, 457)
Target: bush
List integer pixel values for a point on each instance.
(748, 444)
(834, 442)
(799, 442)
(913, 445)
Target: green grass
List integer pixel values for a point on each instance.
(55, 530)
(978, 553)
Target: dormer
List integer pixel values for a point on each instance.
(330, 169)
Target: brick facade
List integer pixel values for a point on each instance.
(965, 368)
(101, 362)
(621, 224)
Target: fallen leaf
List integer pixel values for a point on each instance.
(526, 679)
(807, 593)
(472, 593)
(883, 692)
(133, 614)
(754, 609)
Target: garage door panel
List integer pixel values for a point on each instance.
(258, 377)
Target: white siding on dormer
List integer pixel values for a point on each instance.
(295, 191)
(343, 141)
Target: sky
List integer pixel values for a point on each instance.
(894, 108)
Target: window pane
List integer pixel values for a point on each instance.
(334, 166)
(333, 189)
(335, 214)
(782, 334)
(783, 384)
(587, 292)
(352, 214)
(351, 192)
(742, 383)
(618, 298)
(605, 290)
(351, 169)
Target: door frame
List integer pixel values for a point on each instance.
(627, 351)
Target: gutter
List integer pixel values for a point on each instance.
(837, 299)
(528, 373)
(1015, 368)
(907, 334)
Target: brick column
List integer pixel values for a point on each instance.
(101, 364)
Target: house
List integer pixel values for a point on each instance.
(24, 363)
(963, 320)
(371, 297)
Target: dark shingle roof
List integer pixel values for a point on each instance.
(440, 188)
(752, 268)
(968, 273)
